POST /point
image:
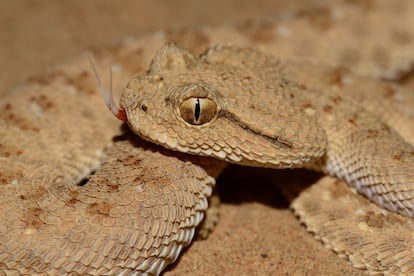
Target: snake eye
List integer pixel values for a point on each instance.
(198, 111)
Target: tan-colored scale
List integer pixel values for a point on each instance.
(80, 196)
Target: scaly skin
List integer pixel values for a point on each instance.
(263, 115)
(49, 224)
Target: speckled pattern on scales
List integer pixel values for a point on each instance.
(43, 203)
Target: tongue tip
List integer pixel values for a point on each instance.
(121, 114)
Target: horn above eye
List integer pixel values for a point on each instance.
(198, 111)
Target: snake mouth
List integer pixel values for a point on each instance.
(276, 140)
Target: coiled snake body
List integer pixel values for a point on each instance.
(142, 203)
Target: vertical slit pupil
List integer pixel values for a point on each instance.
(197, 110)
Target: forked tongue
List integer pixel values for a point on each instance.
(109, 99)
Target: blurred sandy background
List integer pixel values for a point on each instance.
(35, 34)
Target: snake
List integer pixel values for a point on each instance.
(82, 194)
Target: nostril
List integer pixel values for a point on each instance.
(144, 107)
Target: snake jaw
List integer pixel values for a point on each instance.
(109, 99)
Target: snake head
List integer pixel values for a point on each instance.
(222, 108)
(108, 98)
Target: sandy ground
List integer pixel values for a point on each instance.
(257, 233)
(36, 34)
